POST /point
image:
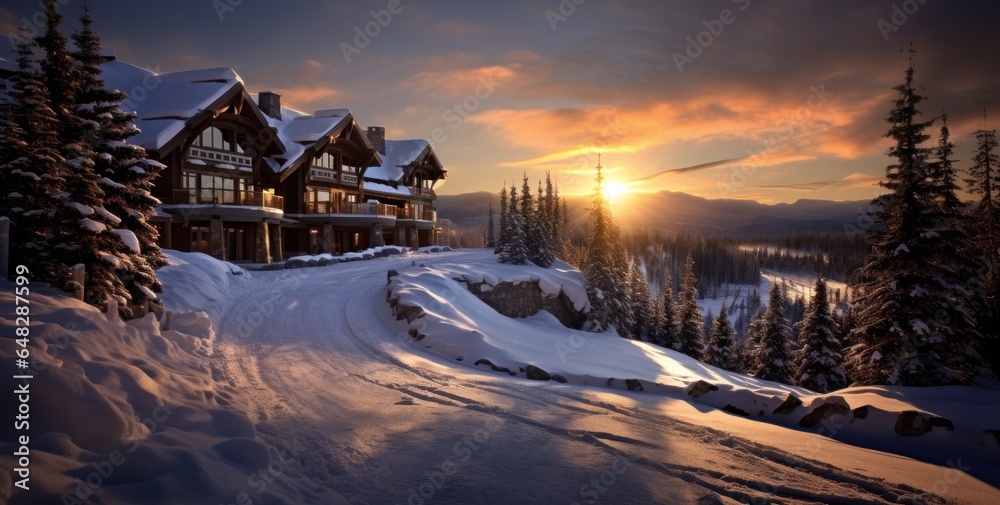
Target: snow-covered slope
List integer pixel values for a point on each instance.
(457, 325)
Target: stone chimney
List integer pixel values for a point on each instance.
(376, 135)
(270, 104)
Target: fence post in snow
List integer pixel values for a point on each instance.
(80, 278)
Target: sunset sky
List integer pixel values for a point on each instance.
(503, 88)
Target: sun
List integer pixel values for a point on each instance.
(614, 190)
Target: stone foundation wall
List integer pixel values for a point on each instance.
(526, 299)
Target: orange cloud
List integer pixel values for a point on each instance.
(299, 97)
(459, 82)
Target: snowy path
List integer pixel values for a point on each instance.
(383, 423)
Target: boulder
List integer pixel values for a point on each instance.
(559, 378)
(940, 422)
(536, 374)
(633, 384)
(911, 423)
(698, 388)
(389, 275)
(293, 264)
(831, 406)
(735, 410)
(484, 361)
(791, 403)
(861, 412)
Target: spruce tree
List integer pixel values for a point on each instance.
(667, 336)
(603, 265)
(720, 351)
(690, 337)
(33, 165)
(504, 237)
(641, 310)
(127, 177)
(540, 252)
(59, 74)
(515, 251)
(491, 238)
(821, 359)
(772, 358)
(984, 228)
(914, 324)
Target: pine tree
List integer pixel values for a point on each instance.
(669, 329)
(984, 229)
(33, 165)
(603, 264)
(641, 306)
(914, 326)
(552, 209)
(721, 348)
(539, 250)
(126, 175)
(772, 358)
(491, 240)
(59, 75)
(515, 251)
(690, 338)
(504, 237)
(821, 359)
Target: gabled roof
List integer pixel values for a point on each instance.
(305, 134)
(401, 157)
(165, 104)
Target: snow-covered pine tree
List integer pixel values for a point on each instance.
(914, 328)
(690, 337)
(33, 166)
(640, 304)
(984, 228)
(491, 239)
(81, 227)
(552, 208)
(667, 336)
(504, 237)
(540, 250)
(772, 358)
(515, 252)
(602, 264)
(720, 351)
(821, 359)
(126, 175)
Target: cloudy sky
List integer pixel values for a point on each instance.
(761, 99)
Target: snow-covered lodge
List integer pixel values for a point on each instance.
(247, 179)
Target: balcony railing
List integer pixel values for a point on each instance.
(228, 197)
(354, 208)
(422, 192)
(225, 157)
(410, 212)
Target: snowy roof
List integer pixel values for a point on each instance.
(164, 103)
(379, 187)
(299, 131)
(398, 154)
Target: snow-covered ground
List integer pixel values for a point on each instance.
(344, 407)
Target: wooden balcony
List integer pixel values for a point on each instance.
(351, 208)
(228, 197)
(409, 212)
(422, 192)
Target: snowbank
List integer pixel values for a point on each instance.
(445, 319)
(132, 412)
(196, 281)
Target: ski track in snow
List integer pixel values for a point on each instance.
(380, 419)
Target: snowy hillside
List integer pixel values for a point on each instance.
(299, 386)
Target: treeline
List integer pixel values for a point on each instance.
(74, 189)
(833, 256)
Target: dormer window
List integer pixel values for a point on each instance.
(325, 160)
(216, 138)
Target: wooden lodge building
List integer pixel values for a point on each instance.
(248, 180)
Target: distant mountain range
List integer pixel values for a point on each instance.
(677, 212)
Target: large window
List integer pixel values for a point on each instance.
(216, 138)
(351, 166)
(207, 188)
(325, 160)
